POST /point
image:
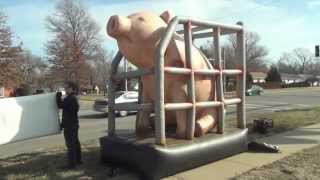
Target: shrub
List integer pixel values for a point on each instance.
(23, 90)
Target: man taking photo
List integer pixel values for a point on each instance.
(70, 123)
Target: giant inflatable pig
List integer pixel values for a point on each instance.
(138, 36)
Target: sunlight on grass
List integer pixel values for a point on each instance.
(87, 102)
(48, 164)
(91, 97)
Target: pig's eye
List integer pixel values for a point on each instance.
(141, 19)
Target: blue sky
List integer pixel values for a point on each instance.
(282, 25)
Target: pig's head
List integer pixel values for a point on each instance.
(138, 35)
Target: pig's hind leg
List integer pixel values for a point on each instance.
(207, 120)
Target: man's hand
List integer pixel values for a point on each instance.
(59, 95)
(59, 100)
(61, 127)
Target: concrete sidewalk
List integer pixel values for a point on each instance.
(290, 142)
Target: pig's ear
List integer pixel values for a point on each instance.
(166, 16)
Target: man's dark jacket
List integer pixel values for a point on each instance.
(70, 108)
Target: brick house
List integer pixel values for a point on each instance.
(6, 91)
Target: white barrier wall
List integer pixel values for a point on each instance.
(27, 117)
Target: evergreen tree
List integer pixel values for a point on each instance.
(273, 75)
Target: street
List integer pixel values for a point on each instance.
(93, 125)
(283, 99)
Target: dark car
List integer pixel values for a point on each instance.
(254, 90)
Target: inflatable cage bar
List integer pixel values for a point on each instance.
(161, 154)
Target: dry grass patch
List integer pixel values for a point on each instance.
(48, 165)
(301, 165)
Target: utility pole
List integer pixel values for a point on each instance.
(224, 67)
(317, 54)
(126, 70)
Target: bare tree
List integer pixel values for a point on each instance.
(100, 68)
(285, 64)
(33, 69)
(9, 62)
(255, 53)
(207, 49)
(299, 61)
(313, 68)
(75, 42)
(302, 57)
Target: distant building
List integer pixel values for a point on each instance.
(6, 91)
(136, 87)
(258, 77)
(97, 89)
(1, 91)
(291, 78)
(298, 78)
(313, 80)
(316, 83)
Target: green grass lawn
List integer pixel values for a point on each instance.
(47, 163)
(92, 97)
(295, 118)
(286, 120)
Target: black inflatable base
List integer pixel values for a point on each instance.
(155, 162)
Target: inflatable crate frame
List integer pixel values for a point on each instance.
(159, 155)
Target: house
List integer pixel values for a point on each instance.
(291, 78)
(6, 91)
(313, 80)
(1, 91)
(317, 82)
(258, 77)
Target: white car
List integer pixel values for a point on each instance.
(62, 90)
(121, 97)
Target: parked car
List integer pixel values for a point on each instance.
(121, 97)
(254, 90)
(62, 90)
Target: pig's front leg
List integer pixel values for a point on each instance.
(181, 116)
(143, 119)
(179, 95)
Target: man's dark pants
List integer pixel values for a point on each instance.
(73, 146)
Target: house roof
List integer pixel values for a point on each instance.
(307, 76)
(258, 75)
(286, 76)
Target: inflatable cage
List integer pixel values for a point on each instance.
(159, 154)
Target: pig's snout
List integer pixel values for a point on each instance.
(118, 25)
